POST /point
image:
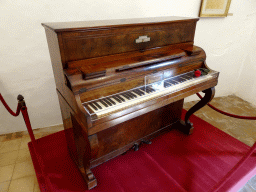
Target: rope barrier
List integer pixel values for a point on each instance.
(234, 169)
(244, 158)
(9, 109)
(22, 107)
(228, 114)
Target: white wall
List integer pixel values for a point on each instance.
(25, 65)
(246, 86)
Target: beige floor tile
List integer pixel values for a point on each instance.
(23, 169)
(1, 138)
(8, 158)
(24, 184)
(6, 173)
(12, 136)
(23, 155)
(36, 187)
(247, 140)
(24, 142)
(26, 139)
(51, 129)
(11, 145)
(4, 186)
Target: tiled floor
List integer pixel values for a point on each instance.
(17, 172)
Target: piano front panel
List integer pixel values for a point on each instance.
(121, 137)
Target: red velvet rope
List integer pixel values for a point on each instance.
(234, 169)
(228, 114)
(9, 109)
(245, 157)
(24, 111)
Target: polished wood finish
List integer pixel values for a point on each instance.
(103, 24)
(186, 126)
(95, 59)
(78, 41)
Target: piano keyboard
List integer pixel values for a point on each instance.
(116, 102)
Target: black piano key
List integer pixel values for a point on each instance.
(141, 92)
(111, 101)
(130, 95)
(103, 102)
(189, 76)
(126, 96)
(137, 92)
(122, 99)
(172, 82)
(95, 103)
(104, 99)
(151, 89)
(182, 79)
(93, 106)
(117, 99)
(167, 84)
(186, 78)
(147, 90)
(178, 79)
(135, 96)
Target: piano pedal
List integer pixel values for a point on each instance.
(146, 142)
(136, 146)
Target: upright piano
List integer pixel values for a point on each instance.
(121, 83)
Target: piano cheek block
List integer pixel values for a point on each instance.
(107, 108)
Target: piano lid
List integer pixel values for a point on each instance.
(81, 25)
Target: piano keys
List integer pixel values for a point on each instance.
(110, 104)
(121, 83)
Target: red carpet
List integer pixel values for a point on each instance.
(173, 162)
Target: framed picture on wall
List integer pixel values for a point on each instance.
(214, 8)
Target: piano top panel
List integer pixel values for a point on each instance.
(90, 39)
(84, 25)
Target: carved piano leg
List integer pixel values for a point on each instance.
(88, 177)
(186, 126)
(83, 153)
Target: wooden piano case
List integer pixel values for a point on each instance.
(94, 59)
